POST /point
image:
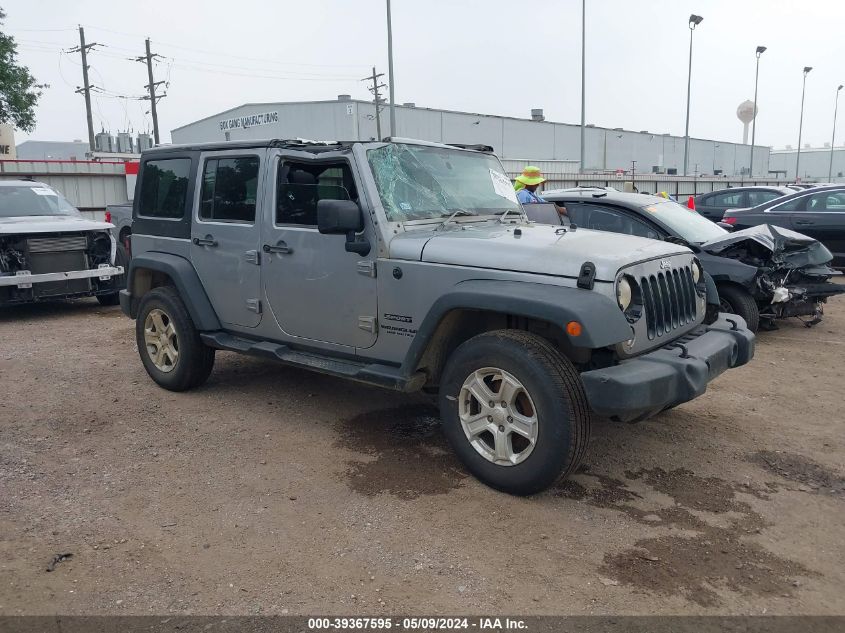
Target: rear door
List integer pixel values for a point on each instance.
(823, 218)
(722, 201)
(225, 236)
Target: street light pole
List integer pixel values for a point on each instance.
(833, 136)
(583, 77)
(807, 69)
(760, 51)
(390, 71)
(694, 21)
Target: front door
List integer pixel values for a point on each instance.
(314, 288)
(225, 236)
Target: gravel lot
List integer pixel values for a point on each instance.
(272, 490)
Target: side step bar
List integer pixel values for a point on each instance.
(370, 373)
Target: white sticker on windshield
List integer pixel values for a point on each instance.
(405, 206)
(502, 185)
(41, 191)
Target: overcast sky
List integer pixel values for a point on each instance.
(486, 56)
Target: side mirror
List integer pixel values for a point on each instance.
(343, 216)
(726, 226)
(339, 216)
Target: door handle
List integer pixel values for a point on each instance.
(804, 222)
(281, 248)
(205, 241)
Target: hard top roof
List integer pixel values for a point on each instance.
(305, 145)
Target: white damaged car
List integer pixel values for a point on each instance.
(49, 251)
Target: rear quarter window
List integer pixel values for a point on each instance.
(164, 188)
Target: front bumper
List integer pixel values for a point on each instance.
(25, 279)
(641, 387)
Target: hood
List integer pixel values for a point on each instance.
(540, 248)
(50, 224)
(785, 248)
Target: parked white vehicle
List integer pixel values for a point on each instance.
(49, 251)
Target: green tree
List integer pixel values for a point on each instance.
(19, 93)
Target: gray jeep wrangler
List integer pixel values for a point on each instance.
(411, 265)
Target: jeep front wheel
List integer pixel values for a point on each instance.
(169, 344)
(514, 410)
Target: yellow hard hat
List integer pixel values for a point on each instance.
(531, 175)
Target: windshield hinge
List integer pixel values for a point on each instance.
(367, 268)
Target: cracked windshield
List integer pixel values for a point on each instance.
(420, 183)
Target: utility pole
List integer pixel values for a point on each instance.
(583, 77)
(377, 96)
(390, 72)
(807, 69)
(148, 59)
(86, 87)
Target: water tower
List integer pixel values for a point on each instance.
(745, 112)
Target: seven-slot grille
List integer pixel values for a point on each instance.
(57, 244)
(668, 300)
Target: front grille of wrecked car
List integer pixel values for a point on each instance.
(668, 300)
(57, 244)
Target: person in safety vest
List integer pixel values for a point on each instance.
(526, 188)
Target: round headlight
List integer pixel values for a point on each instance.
(696, 271)
(623, 293)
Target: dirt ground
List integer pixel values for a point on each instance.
(271, 490)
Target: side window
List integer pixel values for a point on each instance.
(601, 218)
(796, 204)
(164, 187)
(229, 188)
(728, 200)
(576, 212)
(827, 201)
(759, 197)
(302, 185)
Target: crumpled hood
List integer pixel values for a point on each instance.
(788, 248)
(541, 248)
(50, 224)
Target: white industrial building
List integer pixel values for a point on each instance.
(815, 163)
(533, 139)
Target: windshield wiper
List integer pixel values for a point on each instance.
(456, 213)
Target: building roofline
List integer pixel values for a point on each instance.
(479, 114)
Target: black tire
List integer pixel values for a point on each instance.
(737, 300)
(120, 259)
(195, 359)
(554, 387)
(126, 241)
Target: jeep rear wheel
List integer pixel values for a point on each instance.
(169, 344)
(514, 410)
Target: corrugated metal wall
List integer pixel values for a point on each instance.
(511, 138)
(87, 185)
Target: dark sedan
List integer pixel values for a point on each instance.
(818, 212)
(714, 204)
(762, 274)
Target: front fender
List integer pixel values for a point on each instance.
(602, 321)
(184, 277)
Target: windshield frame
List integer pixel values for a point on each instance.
(363, 154)
(63, 207)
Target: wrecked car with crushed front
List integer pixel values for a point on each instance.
(762, 273)
(49, 251)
